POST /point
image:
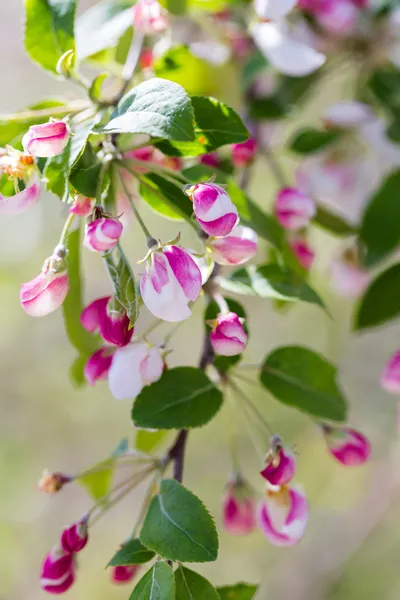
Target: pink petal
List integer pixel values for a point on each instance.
(17, 204)
(390, 380)
(281, 468)
(94, 313)
(283, 516)
(185, 270)
(44, 294)
(98, 365)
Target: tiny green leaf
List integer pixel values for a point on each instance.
(305, 380)
(309, 140)
(183, 397)
(192, 586)
(333, 223)
(380, 302)
(124, 283)
(240, 591)
(97, 481)
(156, 584)
(147, 441)
(85, 171)
(178, 526)
(131, 553)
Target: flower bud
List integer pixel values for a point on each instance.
(283, 515)
(58, 571)
(48, 290)
(214, 210)
(303, 252)
(149, 17)
(280, 464)
(293, 209)
(113, 324)
(244, 153)
(348, 446)
(228, 338)
(172, 280)
(98, 365)
(82, 206)
(52, 482)
(124, 573)
(75, 537)
(133, 367)
(211, 160)
(239, 509)
(102, 234)
(347, 278)
(390, 380)
(348, 114)
(236, 248)
(48, 139)
(339, 17)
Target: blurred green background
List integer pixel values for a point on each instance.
(352, 544)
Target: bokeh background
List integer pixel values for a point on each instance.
(352, 545)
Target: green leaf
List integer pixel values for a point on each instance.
(309, 140)
(49, 30)
(333, 223)
(240, 591)
(131, 553)
(147, 441)
(380, 302)
(12, 130)
(380, 227)
(178, 526)
(165, 197)
(56, 173)
(192, 586)
(271, 281)
(224, 363)
(124, 283)
(183, 397)
(157, 107)
(85, 171)
(101, 26)
(270, 107)
(216, 125)
(385, 84)
(156, 584)
(98, 482)
(199, 173)
(305, 380)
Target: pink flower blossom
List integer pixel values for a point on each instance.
(293, 209)
(338, 17)
(303, 252)
(239, 509)
(211, 160)
(48, 139)
(75, 537)
(20, 169)
(214, 210)
(101, 315)
(58, 571)
(244, 153)
(283, 515)
(98, 365)
(48, 290)
(132, 368)
(149, 17)
(280, 464)
(124, 573)
(228, 338)
(172, 280)
(82, 206)
(236, 248)
(102, 234)
(348, 446)
(390, 380)
(347, 277)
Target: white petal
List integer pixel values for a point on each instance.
(348, 113)
(124, 377)
(273, 9)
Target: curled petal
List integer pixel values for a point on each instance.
(283, 516)
(98, 365)
(390, 380)
(350, 447)
(124, 573)
(17, 204)
(75, 537)
(48, 139)
(82, 206)
(236, 248)
(44, 294)
(93, 314)
(133, 367)
(280, 468)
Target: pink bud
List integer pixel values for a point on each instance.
(102, 234)
(211, 160)
(347, 277)
(338, 17)
(348, 446)
(124, 573)
(239, 509)
(82, 206)
(390, 380)
(75, 537)
(293, 209)
(214, 210)
(149, 17)
(112, 324)
(280, 464)
(58, 571)
(172, 280)
(303, 252)
(133, 367)
(144, 154)
(48, 290)
(283, 516)
(98, 365)
(48, 139)
(244, 153)
(228, 338)
(236, 248)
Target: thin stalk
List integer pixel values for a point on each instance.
(66, 228)
(146, 502)
(151, 166)
(55, 111)
(232, 439)
(132, 60)
(135, 210)
(249, 403)
(274, 166)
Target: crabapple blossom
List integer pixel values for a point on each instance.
(390, 380)
(236, 248)
(47, 139)
(58, 571)
(239, 508)
(132, 368)
(348, 446)
(20, 169)
(228, 338)
(102, 234)
(283, 515)
(293, 209)
(214, 210)
(110, 319)
(280, 464)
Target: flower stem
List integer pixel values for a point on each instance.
(66, 228)
(132, 60)
(135, 210)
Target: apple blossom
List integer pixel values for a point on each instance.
(149, 17)
(21, 171)
(98, 365)
(47, 139)
(280, 464)
(236, 248)
(111, 320)
(58, 571)
(75, 537)
(214, 210)
(244, 153)
(132, 368)
(124, 573)
(102, 234)
(283, 515)
(239, 508)
(228, 338)
(82, 206)
(293, 209)
(303, 252)
(348, 446)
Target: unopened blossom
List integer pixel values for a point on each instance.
(350, 447)
(48, 290)
(283, 515)
(390, 380)
(347, 277)
(58, 571)
(338, 17)
(239, 508)
(102, 234)
(98, 365)
(280, 465)
(214, 210)
(236, 248)
(171, 280)
(82, 206)
(149, 17)
(244, 153)
(22, 173)
(293, 209)
(123, 573)
(110, 319)
(132, 368)
(302, 250)
(51, 483)
(228, 337)
(75, 537)
(47, 139)
(211, 160)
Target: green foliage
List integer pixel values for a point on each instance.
(165, 197)
(124, 283)
(85, 171)
(12, 130)
(183, 397)
(240, 591)
(97, 482)
(49, 30)
(309, 140)
(157, 584)
(380, 302)
(333, 223)
(192, 586)
(131, 553)
(147, 441)
(178, 526)
(305, 380)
